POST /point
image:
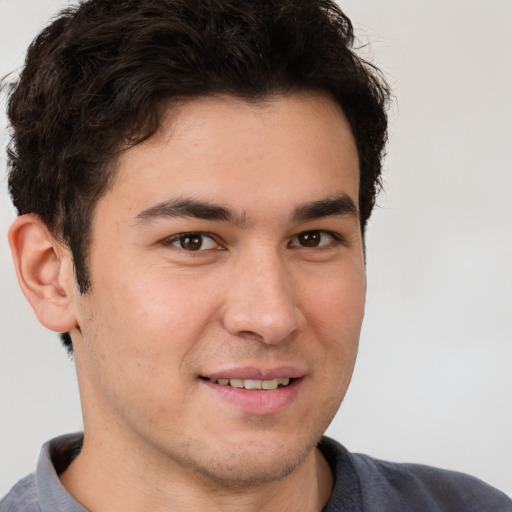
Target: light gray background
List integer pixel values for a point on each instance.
(433, 383)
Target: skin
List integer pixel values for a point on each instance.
(257, 294)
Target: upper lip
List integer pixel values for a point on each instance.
(256, 373)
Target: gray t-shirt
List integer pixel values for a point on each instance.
(362, 484)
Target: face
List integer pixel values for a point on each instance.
(228, 285)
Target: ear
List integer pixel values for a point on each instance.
(45, 272)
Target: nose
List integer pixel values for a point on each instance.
(261, 302)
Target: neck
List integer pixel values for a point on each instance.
(110, 477)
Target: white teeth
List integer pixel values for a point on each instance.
(270, 384)
(284, 382)
(275, 383)
(236, 383)
(254, 383)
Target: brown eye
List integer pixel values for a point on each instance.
(309, 238)
(191, 242)
(317, 238)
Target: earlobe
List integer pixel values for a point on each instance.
(45, 272)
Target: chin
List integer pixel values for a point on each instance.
(237, 470)
(261, 461)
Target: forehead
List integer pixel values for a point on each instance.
(290, 146)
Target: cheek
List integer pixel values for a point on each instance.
(147, 325)
(335, 316)
(336, 306)
(132, 357)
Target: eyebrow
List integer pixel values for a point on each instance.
(183, 207)
(331, 206)
(190, 208)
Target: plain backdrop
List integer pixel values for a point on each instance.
(433, 383)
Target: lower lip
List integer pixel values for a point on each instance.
(257, 401)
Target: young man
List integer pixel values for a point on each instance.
(194, 181)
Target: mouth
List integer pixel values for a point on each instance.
(262, 396)
(253, 384)
(256, 389)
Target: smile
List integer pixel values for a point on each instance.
(256, 396)
(254, 384)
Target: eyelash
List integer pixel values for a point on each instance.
(336, 239)
(178, 240)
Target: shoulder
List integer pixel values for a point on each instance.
(431, 489)
(388, 486)
(42, 490)
(22, 497)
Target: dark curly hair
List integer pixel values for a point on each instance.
(97, 78)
